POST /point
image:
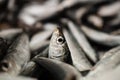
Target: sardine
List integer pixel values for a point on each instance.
(38, 39)
(59, 70)
(82, 41)
(17, 56)
(101, 37)
(58, 48)
(108, 62)
(35, 11)
(78, 56)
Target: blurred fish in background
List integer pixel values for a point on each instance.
(59, 39)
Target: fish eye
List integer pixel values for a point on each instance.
(60, 40)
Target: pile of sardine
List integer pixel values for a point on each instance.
(59, 40)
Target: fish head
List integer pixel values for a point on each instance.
(58, 47)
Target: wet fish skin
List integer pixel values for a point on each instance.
(58, 48)
(78, 56)
(108, 75)
(110, 61)
(17, 56)
(56, 67)
(82, 41)
(100, 37)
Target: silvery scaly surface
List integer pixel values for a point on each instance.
(58, 48)
(17, 56)
(78, 56)
(82, 41)
(60, 70)
(110, 61)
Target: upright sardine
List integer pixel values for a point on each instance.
(82, 41)
(58, 48)
(78, 56)
(17, 56)
(58, 69)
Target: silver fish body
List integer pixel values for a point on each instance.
(17, 55)
(110, 61)
(78, 56)
(82, 41)
(39, 39)
(100, 37)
